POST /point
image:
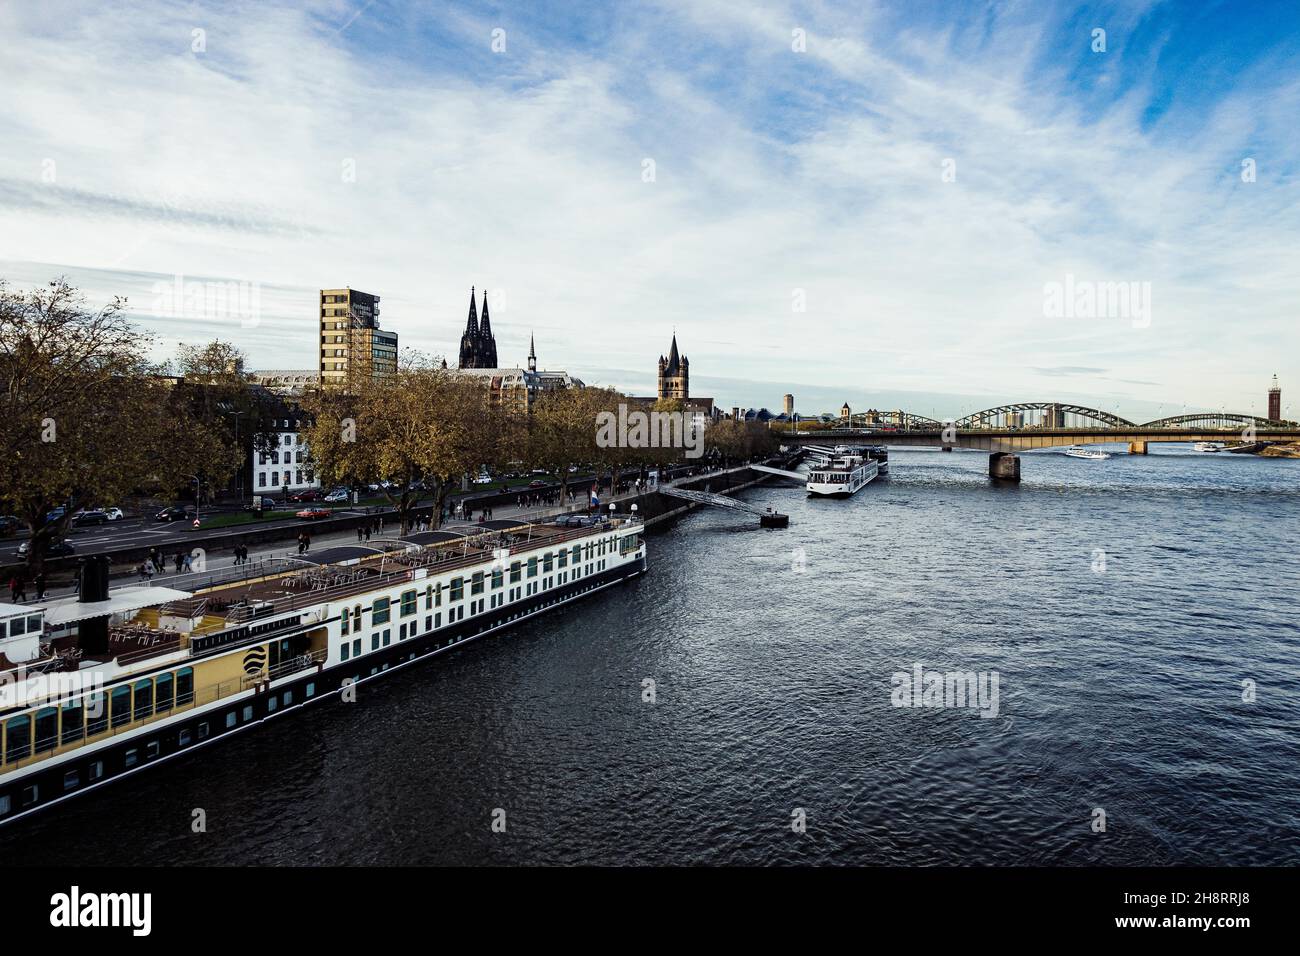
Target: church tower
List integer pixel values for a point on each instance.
(532, 355)
(674, 374)
(478, 347)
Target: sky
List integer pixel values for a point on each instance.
(934, 206)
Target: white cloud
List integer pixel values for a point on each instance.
(523, 172)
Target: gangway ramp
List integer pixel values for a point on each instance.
(779, 471)
(766, 517)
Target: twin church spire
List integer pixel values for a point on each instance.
(478, 347)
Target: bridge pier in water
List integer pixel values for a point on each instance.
(1004, 466)
(1137, 448)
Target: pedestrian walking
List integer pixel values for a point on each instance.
(40, 586)
(148, 571)
(179, 562)
(13, 589)
(188, 564)
(361, 534)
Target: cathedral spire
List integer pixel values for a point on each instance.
(673, 360)
(532, 354)
(471, 327)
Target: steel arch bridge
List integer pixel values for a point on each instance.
(1214, 420)
(904, 420)
(982, 419)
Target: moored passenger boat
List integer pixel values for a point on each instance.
(103, 685)
(843, 472)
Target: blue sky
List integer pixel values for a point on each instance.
(799, 229)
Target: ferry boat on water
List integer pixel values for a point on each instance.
(844, 471)
(1092, 454)
(110, 682)
(1208, 446)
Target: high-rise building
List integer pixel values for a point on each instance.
(674, 374)
(478, 347)
(1275, 401)
(787, 404)
(352, 346)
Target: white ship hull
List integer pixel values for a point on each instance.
(833, 482)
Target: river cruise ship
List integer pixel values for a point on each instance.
(843, 472)
(106, 684)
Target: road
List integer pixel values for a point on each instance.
(146, 532)
(287, 549)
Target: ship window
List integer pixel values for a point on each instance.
(121, 705)
(131, 758)
(230, 719)
(374, 641)
(151, 749)
(143, 698)
(356, 647)
(288, 697)
(248, 712)
(347, 647)
(47, 729)
(183, 738)
(514, 572)
(311, 689)
(408, 603)
(18, 738)
(272, 703)
(4, 805)
(577, 553)
(457, 589)
(380, 611)
(72, 718)
(346, 614)
(498, 579)
(476, 583)
(184, 686)
(96, 714)
(96, 770)
(562, 559)
(437, 595)
(164, 693)
(203, 731)
(30, 795)
(532, 567)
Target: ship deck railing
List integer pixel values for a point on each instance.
(47, 747)
(293, 590)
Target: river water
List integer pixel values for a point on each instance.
(1119, 605)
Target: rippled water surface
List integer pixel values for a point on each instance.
(772, 654)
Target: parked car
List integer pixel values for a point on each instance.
(310, 494)
(9, 524)
(314, 514)
(483, 480)
(114, 514)
(539, 471)
(537, 483)
(54, 514)
(56, 549)
(85, 518)
(339, 494)
(175, 513)
(262, 502)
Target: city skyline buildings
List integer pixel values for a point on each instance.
(827, 236)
